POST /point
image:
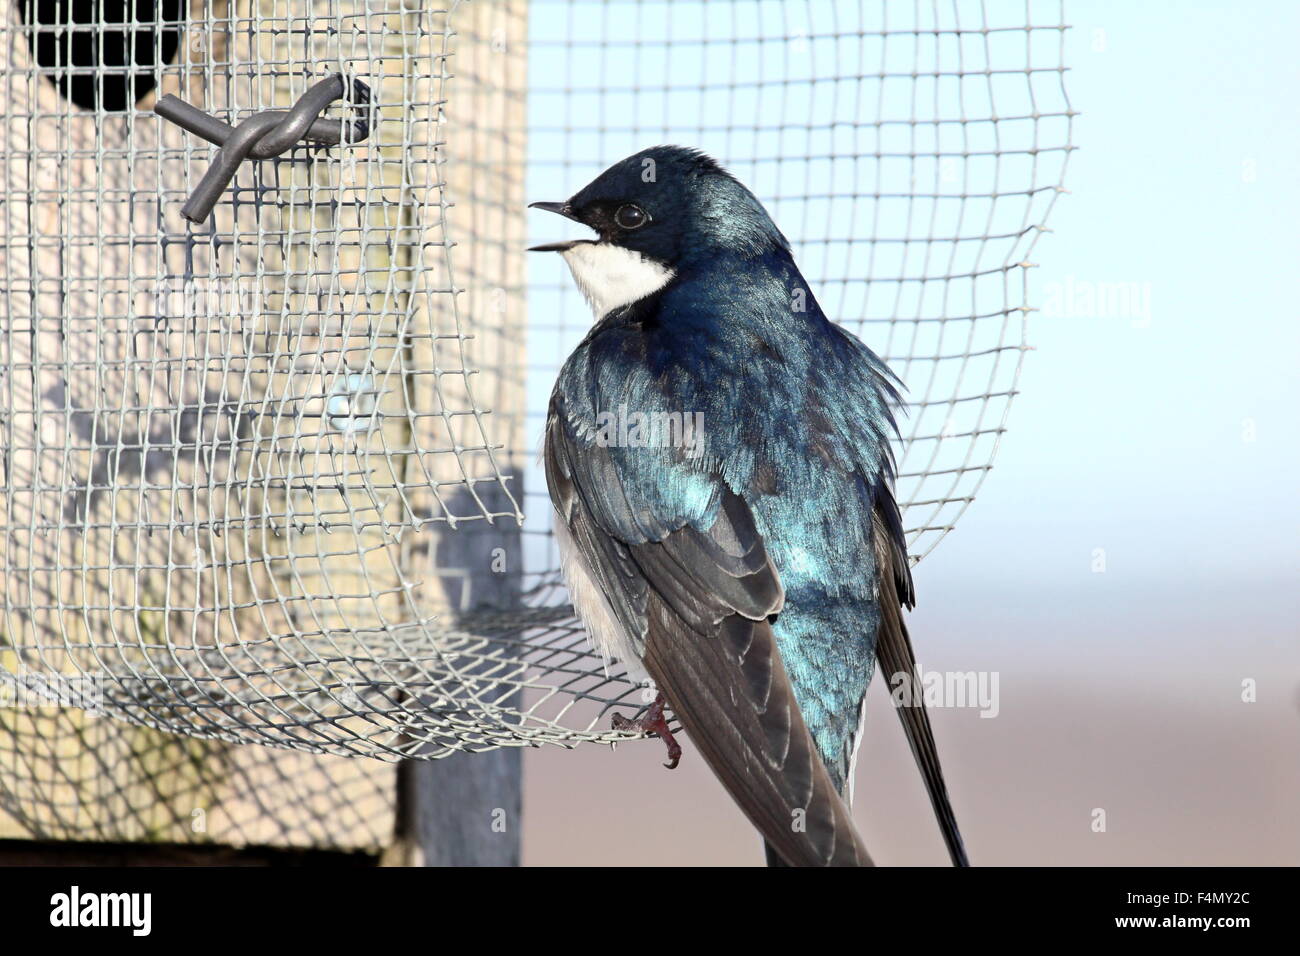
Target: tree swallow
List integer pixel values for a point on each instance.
(718, 455)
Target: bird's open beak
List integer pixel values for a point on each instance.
(561, 209)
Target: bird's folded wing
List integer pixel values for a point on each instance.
(697, 603)
(894, 656)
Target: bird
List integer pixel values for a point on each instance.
(718, 456)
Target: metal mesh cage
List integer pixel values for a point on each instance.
(264, 475)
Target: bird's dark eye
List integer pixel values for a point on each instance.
(630, 217)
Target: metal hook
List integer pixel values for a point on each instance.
(264, 135)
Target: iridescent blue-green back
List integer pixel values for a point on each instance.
(797, 421)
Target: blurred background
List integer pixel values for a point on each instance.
(1129, 569)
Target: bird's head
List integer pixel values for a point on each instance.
(658, 212)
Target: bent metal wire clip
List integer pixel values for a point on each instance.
(265, 135)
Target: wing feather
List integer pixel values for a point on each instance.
(696, 603)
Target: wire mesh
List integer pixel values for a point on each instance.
(264, 477)
(65, 776)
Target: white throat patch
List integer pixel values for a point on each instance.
(610, 276)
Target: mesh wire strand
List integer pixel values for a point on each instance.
(263, 478)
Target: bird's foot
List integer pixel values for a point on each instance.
(653, 723)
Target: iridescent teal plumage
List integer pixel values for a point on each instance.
(797, 419)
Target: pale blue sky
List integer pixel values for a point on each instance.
(1187, 178)
(1172, 445)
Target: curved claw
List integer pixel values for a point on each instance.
(654, 723)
